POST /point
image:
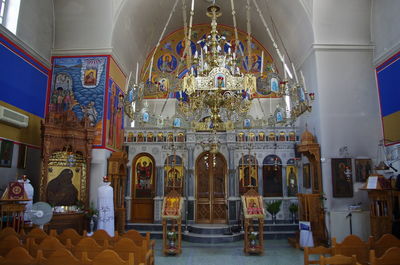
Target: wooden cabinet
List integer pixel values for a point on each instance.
(384, 209)
(60, 222)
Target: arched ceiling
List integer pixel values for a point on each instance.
(138, 24)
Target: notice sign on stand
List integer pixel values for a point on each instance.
(372, 182)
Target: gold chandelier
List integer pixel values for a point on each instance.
(215, 94)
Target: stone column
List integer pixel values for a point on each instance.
(260, 181)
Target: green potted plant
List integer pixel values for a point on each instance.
(293, 208)
(273, 208)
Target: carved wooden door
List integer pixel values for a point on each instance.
(143, 176)
(211, 188)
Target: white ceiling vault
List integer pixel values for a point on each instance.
(131, 28)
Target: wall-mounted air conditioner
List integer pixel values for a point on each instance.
(13, 117)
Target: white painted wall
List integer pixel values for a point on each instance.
(385, 28)
(98, 169)
(342, 21)
(346, 111)
(35, 26)
(83, 25)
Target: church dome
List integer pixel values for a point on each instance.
(307, 138)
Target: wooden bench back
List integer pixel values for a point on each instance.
(338, 260)
(8, 243)
(125, 246)
(109, 257)
(18, 256)
(390, 257)
(320, 250)
(88, 245)
(353, 245)
(384, 243)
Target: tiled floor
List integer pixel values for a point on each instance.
(277, 252)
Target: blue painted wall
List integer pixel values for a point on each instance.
(23, 81)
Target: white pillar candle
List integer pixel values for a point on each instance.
(295, 73)
(137, 73)
(262, 61)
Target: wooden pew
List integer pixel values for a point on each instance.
(102, 237)
(19, 256)
(89, 246)
(69, 233)
(49, 245)
(384, 243)
(338, 260)
(125, 246)
(8, 231)
(8, 243)
(108, 257)
(37, 234)
(61, 256)
(390, 257)
(353, 245)
(320, 250)
(139, 240)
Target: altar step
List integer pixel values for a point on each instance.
(213, 233)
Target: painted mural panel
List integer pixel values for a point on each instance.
(169, 61)
(388, 78)
(78, 84)
(144, 168)
(115, 116)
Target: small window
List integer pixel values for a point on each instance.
(9, 11)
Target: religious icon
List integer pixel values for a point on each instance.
(90, 77)
(291, 173)
(167, 63)
(144, 177)
(6, 152)
(363, 169)
(341, 177)
(306, 176)
(219, 81)
(145, 117)
(177, 122)
(61, 191)
(246, 123)
(274, 85)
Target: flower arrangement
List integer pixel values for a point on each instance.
(253, 235)
(172, 235)
(91, 212)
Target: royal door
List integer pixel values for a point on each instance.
(211, 188)
(143, 176)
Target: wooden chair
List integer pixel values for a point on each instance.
(338, 260)
(19, 256)
(69, 233)
(125, 246)
(87, 245)
(9, 243)
(62, 257)
(320, 250)
(37, 235)
(390, 257)
(138, 239)
(49, 245)
(102, 237)
(384, 243)
(109, 257)
(7, 231)
(353, 245)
